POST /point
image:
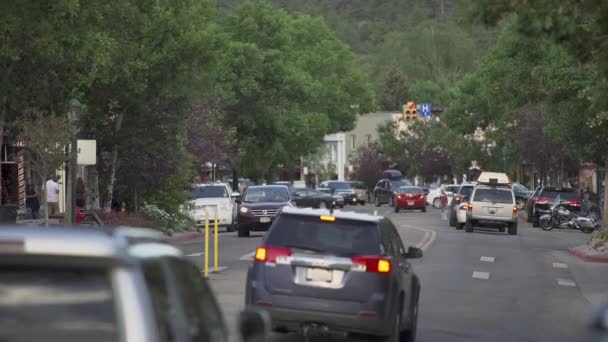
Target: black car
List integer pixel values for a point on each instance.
(546, 197)
(304, 197)
(344, 189)
(386, 190)
(342, 272)
(463, 194)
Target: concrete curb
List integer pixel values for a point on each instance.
(587, 257)
(184, 238)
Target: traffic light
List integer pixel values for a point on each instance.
(409, 111)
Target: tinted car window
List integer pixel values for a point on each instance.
(203, 317)
(396, 184)
(465, 190)
(341, 237)
(452, 188)
(563, 195)
(269, 194)
(56, 304)
(493, 196)
(359, 186)
(209, 192)
(411, 190)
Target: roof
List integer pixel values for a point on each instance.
(107, 243)
(496, 177)
(339, 214)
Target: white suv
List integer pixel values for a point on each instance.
(492, 204)
(217, 199)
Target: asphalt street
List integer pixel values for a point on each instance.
(480, 286)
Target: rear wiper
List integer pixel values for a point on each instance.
(304, 247)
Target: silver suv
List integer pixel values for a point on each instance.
(122, 284)
(492, 206)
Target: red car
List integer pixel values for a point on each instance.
(410, 197)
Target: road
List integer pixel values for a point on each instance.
(481, 286)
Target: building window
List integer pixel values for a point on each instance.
(369, 139)
(353, 142)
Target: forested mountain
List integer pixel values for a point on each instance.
(409, 48)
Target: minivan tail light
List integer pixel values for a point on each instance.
(470, 207)
(270, 254)
(372, 264)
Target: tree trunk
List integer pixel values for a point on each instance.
(2, 126)
(93, 193)
(110, 188)
(605, 207)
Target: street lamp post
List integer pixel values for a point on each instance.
(73, 117)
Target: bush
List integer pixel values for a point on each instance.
(167, 222)
(598, 240)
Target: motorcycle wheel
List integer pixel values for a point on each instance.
(545, 224)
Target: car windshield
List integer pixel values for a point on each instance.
(266, 194)
(213, 191)
(410, 190)
(563, 195)
(340, 238)
(57, 304)
(493, 196)
(340, 185)
(397, 184)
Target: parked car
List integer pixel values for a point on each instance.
(344, 189)
(340, 272)
(124, 284)
(492, 204)
(338, 198)
(361, 192)
(385, 191)
(434, 195)
(546, 197)
(410, 197)
(462, 195)
(259, 206)
(304, 197)
(522, 194)
(215, 199)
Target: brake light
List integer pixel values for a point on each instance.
(575, 203)
(515, 210)
(270, 254)
(542, 200)
(458, 199)
(464, 206)
(470, 207)
(421, 196)
(372, 264)
(399, 196)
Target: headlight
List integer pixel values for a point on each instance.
(244, 210)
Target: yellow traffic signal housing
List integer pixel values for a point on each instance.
(409, 111)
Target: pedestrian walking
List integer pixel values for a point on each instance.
(52, 196)
(31, 201)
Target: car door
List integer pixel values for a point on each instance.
(384, 191)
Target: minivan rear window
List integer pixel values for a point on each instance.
(493, 196)
(340, 237)
(56, 304)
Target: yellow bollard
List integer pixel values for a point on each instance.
(206, 243)
(216, 240)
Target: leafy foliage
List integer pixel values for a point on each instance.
(371, 162)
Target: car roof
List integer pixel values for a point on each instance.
(498, 186)
(119, 243)
(269, 186)
(338, 214)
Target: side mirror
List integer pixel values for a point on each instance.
(236, 195)
(254, 325)
(413, 253)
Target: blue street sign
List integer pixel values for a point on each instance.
(425, 110)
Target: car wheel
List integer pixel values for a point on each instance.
(392, 201)
(410, 334)
(468, 227)
(243, 233)
(530, 217)
(395, 335)
(513, 229)
(362, 202)
(452, 218)
(396, 209)
(437, 203)
(459, 226)
(424, 209)
(536, 221)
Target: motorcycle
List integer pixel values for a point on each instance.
(560, 217)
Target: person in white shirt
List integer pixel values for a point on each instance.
(52, 196)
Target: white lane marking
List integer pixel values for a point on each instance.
(566, 282)
(427, 240)
(481, 275)
(559, 265)
(487, 259)
(248, 256)
(196, 254)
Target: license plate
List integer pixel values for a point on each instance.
(410, 202)
(319, 274)
(264, 219)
